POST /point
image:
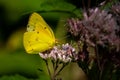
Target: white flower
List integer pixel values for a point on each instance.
(63, 53)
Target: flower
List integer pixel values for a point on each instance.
(98, 31)
(64, 53)
(98, 27)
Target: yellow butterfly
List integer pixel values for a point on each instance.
(39, 36)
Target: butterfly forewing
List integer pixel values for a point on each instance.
(36, 19)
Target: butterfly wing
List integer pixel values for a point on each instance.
(36, 19)
(39, 36)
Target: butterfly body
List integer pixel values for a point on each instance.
(39, 36)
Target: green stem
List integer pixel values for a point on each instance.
(48, 69)
(58, 72)
(55, 67)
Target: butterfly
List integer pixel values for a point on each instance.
(39, 36)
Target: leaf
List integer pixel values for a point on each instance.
(25, 64)
(56, 6)
(14, 77)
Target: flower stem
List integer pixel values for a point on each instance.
(98, 62)
(58, 72)
(48, 69)
(55, 66)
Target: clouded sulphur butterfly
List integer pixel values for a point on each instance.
(39, 36)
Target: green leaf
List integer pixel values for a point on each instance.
(19, 63)
(56, 6)
(14, 77)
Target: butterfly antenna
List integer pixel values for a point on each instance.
(60, 41)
